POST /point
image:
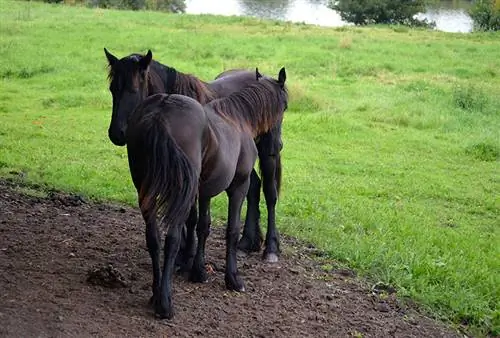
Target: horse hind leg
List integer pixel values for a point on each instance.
(236, 196)
(199, 271)
(164, 306)
(184, 259)
(148, 212)
(251, 240)
(153, 244)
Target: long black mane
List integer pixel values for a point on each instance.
(256, 109)
(162, 79)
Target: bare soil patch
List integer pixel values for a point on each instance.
(69, 267)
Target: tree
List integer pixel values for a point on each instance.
(486, 15)
(364, 12)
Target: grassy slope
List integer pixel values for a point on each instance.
(391, 139)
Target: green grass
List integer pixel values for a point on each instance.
(392, 137)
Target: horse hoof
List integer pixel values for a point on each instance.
(184, 270)
(164, 314)
(271, 258)
(236, 289)
(198, 276)
(235, 284)
(246, 245)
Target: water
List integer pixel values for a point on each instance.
(450, 16)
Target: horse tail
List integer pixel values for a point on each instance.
(170, 182)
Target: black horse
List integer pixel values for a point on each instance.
(127, 75)
(180, 151)
(269, 146)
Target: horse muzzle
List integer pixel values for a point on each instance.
(117, 137)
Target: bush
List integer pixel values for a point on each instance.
(175, 6)
(364, 12)
(120, 4)
(486, 15)
(156, 5)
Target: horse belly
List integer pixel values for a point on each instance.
(216, 183)
(222, 170)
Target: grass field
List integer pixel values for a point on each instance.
(392, 138)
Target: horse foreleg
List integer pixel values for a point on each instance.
(199, 271)
(268, 166)
(164, 307)
(251, 240)
(236, 197)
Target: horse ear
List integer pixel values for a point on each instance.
(111, 58)
(146, 60)
(282, 76)
(257, 74)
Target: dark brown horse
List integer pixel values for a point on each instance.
(269, 146)
(180, 151)
(127, 75)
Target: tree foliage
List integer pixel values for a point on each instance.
(364, 12)
(156, 5)
(486, 15)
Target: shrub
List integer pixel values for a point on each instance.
(486, 15)
(175, 6)
(157, 5)
(364, 12)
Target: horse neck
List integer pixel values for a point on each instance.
(161, 78)
(156, 84)
(189, 85)
(248, 111)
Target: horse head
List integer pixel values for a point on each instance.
(279, 87)
(129, 87)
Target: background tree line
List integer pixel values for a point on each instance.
(157, 5)
(484, 13)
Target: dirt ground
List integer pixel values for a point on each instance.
(57, 251)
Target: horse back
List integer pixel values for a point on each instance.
(230, 72)
(232, 81)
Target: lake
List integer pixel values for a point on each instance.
(450, 16)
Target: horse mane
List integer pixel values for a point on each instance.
(190, 85)
(164, 79)
(255, 109)
(175, 82)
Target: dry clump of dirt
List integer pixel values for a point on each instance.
(107, 276)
